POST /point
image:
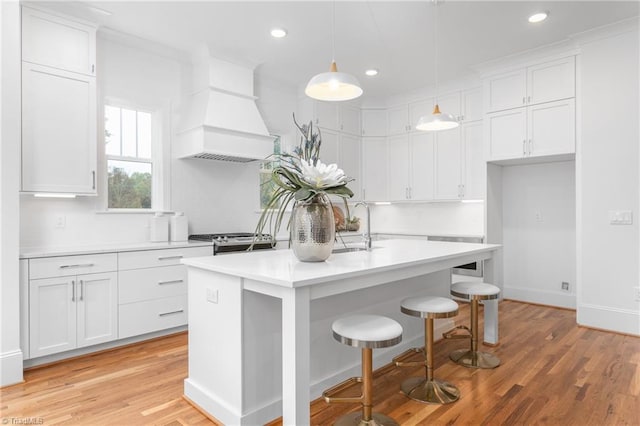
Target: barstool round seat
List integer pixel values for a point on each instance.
(367, 331)
(429, 307)
(475, 290)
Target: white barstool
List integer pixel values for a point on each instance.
(366, 332)
(428, 389)
(474, 292)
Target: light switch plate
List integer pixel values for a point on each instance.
(620, 217)
(212, 295)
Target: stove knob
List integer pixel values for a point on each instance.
(225, 239)
(219, 238)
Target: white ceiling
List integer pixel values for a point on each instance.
(394, 36)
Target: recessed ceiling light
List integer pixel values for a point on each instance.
(278, 32)
(371, 72)
(538, 17)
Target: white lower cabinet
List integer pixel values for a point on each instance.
(72, 312)
(84, 300)
(153, 289)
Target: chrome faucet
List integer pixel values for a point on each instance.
(366, 235)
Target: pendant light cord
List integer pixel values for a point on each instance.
(333, 32)
(435, 38)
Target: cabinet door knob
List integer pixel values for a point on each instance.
(524, 147)
(81, 290)
(524, 100)
(73, 291)
(93, 173)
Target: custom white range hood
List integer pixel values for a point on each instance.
(220, 120)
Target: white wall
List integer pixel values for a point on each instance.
(538, 213)
(10, 353)
(607, 165)
(442, 218)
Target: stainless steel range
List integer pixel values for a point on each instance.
(234, 242)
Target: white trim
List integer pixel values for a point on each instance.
(11, 367)
(606, 31)
(542, 297)
(606, 318)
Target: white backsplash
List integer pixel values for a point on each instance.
(442, 218)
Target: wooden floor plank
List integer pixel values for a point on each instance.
(553, 372)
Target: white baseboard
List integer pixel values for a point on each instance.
(606, 318)
(542, 297)
(11, 368)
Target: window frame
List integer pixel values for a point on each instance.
(156, 160)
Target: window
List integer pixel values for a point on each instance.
(130, 158)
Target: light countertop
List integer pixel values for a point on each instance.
(34, 252)
(282, 268)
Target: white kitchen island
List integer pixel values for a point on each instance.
(260, 343)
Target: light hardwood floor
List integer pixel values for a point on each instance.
(553, 372)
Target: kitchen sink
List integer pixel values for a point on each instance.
(348, 249)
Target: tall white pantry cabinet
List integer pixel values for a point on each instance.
(58, 104)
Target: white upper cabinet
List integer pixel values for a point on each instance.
(350, 120)
(551, 128)
(535, 131)
(421, 165)
(374, 176)
(398, 120)
(59, 131)
(551, 81)
(535, 84)
(448, 165)
(474, 167)
(349, 155)
(398, 166)
(58, 42)
(326, 115)
(329, 147)
(504, 91)
(471, 104)
(374, 122)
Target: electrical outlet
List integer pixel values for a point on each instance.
(564, 286)
(61, 221)
(538, 215)
(212, 295)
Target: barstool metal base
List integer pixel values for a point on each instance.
(472, 359)
(355, 419)
(431, 391)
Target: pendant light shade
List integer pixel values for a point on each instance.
(437, 121)
(333, 86)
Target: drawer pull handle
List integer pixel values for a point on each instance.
(81, 290)
(164, 314)
(170, 282)
(169, 257)
(79, 265)
(73, 291)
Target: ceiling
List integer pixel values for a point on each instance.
(395, 37)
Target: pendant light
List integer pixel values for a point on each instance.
(437, 120)
(333, 85)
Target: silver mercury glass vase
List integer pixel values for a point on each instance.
(313, 229)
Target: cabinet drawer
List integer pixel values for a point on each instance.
(62, 266)
(153, 258)
(137, 285)
(152, 315)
